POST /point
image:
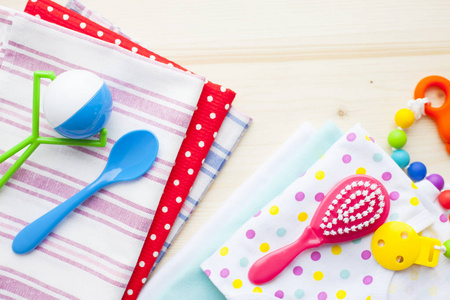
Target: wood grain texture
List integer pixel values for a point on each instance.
(292, 61)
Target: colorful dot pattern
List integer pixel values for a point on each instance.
(331, 271)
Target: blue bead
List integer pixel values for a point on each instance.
(401, 157)
(417, 171)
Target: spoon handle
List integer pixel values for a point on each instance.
(34, 233)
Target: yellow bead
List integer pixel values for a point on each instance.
(404, 118)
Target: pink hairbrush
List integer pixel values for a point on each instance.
(355, 207)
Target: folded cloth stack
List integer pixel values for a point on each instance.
(238, 235)
(203, 131)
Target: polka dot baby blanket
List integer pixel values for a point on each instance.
(342, 271)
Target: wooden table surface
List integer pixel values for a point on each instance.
(292, 61)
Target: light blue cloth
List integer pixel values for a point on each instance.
(190, 282)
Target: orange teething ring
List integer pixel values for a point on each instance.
(441, 115)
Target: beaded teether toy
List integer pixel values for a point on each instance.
(425, 249)
(355, 207)
(77, 105)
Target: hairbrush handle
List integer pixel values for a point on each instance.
(269, 266)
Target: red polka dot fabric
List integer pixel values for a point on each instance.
(213, 105)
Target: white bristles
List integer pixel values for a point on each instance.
(355, 207)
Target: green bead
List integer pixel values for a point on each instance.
(447, 246)
(397, 138)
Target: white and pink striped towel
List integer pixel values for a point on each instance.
(92, 253)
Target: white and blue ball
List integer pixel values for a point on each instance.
(77, 104)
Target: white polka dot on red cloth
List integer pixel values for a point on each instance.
(176, 182)
(201, 144)
(66, 17)
(214, 134)
(100, 33)
(152, 57)
(134, 49)
(170, 64)
(141, 264)
(117, 42)
(223, 89)
(144, 280)
(190, 171)
(38, 16)
(227, 106)
(212, 116)
(83, 26)
(203, 161)
(164, 209)
(188, 154)
(198, 126)
(50, 9)
(178, 199)
(167, 226)
(210, 98)
(155, 254)
(33, 0)
(130, 292)
(153, 237)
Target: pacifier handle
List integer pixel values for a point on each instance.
(437, 81)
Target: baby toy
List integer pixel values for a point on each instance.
(355, 207)
(396, 246)
(131, 157)
(77, 104)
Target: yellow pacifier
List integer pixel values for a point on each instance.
(396, 246)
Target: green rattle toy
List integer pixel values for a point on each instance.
(78, 104)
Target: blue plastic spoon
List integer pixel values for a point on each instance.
(131, 157)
